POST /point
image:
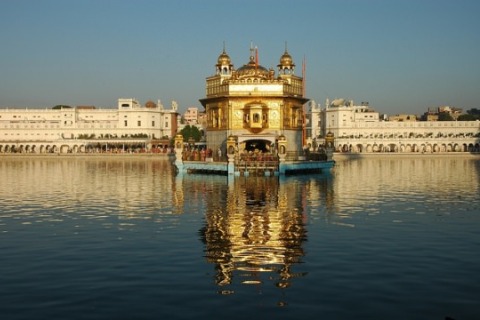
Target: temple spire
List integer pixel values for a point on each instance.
(252, 51)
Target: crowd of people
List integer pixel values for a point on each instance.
(202, 154)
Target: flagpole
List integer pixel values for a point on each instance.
(304, 122)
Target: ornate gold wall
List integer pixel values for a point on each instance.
(252, 101)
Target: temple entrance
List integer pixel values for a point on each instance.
(257, 144)
(257, 158)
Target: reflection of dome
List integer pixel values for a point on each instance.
(252, 69)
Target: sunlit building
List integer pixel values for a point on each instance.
(314, 121)
(254, 105)
(403, 117)
(66, 129)
(191, 116)
(359, 128)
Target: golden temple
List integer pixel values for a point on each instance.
(255, 122)
(254, 105)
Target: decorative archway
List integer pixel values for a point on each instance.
(344, 148)
(64, 149)
(392, 147)
(262, 145)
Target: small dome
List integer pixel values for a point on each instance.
(286, 60)
(252, 69)
(224, 59)
(150, 104)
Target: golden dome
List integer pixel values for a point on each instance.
(286, 60)
(223, 59)
(252, 69)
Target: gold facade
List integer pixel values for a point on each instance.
(253, 102)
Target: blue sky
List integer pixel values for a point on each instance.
(402, 56)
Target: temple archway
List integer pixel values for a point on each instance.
(257, 145)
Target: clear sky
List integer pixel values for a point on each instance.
(402, 56)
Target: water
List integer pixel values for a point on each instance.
(378, 238)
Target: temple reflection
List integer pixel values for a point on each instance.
(258, 236)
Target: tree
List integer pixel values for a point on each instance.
(191, 132)
(472, 115)
(444, 116)
(466, 117)
(474, 111)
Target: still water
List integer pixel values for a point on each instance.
(120, 238)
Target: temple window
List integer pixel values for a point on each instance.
(215, 118)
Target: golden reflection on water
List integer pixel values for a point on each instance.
(259, 234)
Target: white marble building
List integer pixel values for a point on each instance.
(68, 129)
(358, 128)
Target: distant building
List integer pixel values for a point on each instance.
(403, 118)
(341, 114)
(358, 129)
(43, 130)
(191, 116)
(434, 114)
(452, 111)
(314, 116)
